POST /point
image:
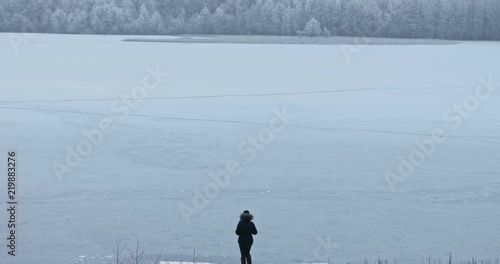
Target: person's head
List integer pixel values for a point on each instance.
(246, 216)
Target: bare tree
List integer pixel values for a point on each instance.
(117, 252)
(137, 255)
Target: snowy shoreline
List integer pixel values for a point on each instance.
(242, 39)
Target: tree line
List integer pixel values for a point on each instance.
(441, 19)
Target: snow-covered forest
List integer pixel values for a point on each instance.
(443, 19)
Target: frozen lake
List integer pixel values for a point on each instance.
(315, 180)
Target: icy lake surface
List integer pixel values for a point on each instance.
(317, 189)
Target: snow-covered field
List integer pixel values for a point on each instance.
(317, 185)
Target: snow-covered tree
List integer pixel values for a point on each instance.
(3, 16)
(412, 17)
(59, 21)
(277, 16)
(312, 28)
(267, 16)
(287, 27)
(157, 24)
(326, 32)
(107, 18)
(220, 23)
(370, 18)
(78, 22)
(203, 22)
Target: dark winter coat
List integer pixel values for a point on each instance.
(245, 229)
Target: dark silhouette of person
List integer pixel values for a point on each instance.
(245, 229)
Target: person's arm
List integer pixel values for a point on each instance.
(238, 229)
(254, 229)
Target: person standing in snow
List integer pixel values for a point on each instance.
(245, 229)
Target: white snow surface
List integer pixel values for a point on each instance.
(308, 185)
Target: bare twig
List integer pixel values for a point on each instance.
(138, 255)
(157, 261)
(117, 252)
